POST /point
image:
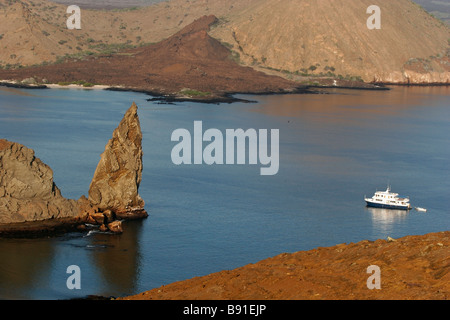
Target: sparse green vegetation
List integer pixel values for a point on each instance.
(11, 66)
(304, 73)
(235, 56)
(75, 56)
(98, 49)
(79, 83)
(227, 44)
(354, 78)
(124, 9)
(194, 93)
(104, 48)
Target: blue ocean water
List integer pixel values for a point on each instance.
(334, 149)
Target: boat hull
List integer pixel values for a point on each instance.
(387, 206)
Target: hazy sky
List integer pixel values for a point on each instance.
(430, 5)
(439, 8)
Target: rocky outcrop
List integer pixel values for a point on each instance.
(27, 189)
(30, 202)
(116, 180)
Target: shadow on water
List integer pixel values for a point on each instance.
(28, 266)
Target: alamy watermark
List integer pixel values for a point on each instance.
(237, 147)
(74, 21)
(74, 280)
(374, 281)
(374, 21)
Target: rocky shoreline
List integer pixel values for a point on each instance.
(213, 98)
(39, 229)
(406, 84)
(167, 97)
(11, 84)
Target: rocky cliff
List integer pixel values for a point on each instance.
(116, 180)
(27, 190)
(30, 202)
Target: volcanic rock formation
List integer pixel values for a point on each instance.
(30, 202)
(27, 190)
(118, 175)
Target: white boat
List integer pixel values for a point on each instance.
(421, 209)
(388, 200)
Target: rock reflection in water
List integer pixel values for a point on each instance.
(109, 263)
(117, 257)
(24, 266)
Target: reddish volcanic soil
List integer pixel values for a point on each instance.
(190, 59)
(413, 267)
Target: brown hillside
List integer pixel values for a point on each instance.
(189, 63)
(327, 38)
(331, 36)
(35, 31)
(28, 38)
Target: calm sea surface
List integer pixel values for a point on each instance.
(334, 150)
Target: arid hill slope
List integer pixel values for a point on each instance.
(35, 31)
(332, 36)
(297, 37)
(190, 63)
(411, 268)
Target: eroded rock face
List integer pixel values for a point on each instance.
(31, 202)
(27, 190)
(116, 180)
